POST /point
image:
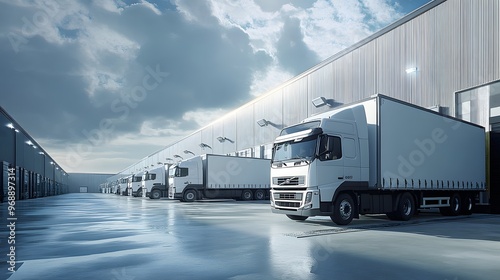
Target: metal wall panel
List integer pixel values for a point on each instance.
(270, 108)
(229, 145)
(90, 180)
(320, 83)
(453, 44)
(245, 126)
(295, 102)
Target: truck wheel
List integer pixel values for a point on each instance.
(189, 196)
(155, 194)
(406, 207)
(343, 210)
(138, 193)
(467, 205)
(260, 195)
(455, 206)
(297, 218)
(247, 195)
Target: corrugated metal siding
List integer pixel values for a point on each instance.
(270, 108)
(454, 45)
(295, 102)
(245, 125)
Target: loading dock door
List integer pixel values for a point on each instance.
(83, 189)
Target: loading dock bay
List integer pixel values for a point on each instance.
(104, 236)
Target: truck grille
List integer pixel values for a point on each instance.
(288, 181)
(288, 204)
(288, 196)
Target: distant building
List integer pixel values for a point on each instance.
(36, 173)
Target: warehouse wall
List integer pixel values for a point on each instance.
(86, 181)
(453, 44)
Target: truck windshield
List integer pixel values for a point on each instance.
(303, 151)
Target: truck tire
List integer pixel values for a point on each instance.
(343, 210)
(155, 194)
(189, 195)
(246, 195)
(259, 195)
(455, 206)
(138, 193)
(467, 205)
(297, 218)
(406, 207)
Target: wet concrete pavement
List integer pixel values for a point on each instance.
(103, 236)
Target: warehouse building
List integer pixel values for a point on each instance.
(31, 171)
(444, 56)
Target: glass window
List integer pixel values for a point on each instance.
(181, 172)
(330, 148)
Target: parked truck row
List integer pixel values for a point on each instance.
(205, 176)
(376, 156)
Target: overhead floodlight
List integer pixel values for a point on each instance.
(11, 126)
(262, 122)
(411, 70)
(189, 152)
(42, 153)
(168, 159)
(203, 146)
(320, 101)
(223, 139)
(178, 156)
(29, 143)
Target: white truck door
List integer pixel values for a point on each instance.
(330, 166)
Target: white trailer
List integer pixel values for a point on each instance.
(218, 176)
(380, 155)
(154, 182)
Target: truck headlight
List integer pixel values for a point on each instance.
(308, 198)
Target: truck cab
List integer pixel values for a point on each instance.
(153, 179)
(313, 161)
(134, 184)
(122, 186)
(184, 178)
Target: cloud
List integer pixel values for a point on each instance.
(143, 74)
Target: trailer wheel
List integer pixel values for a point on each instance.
(455, 206)
(467, 205)
(406, 207)
(246, 195)
(343, 210)
(189, 196)
(297, 218)
(259, 195)
(155, 194)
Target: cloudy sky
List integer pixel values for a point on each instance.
(114, 81)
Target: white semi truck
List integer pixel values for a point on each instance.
(379, 155)
(122, 186)
(155, 182)
(134, 184)
(219, 176)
